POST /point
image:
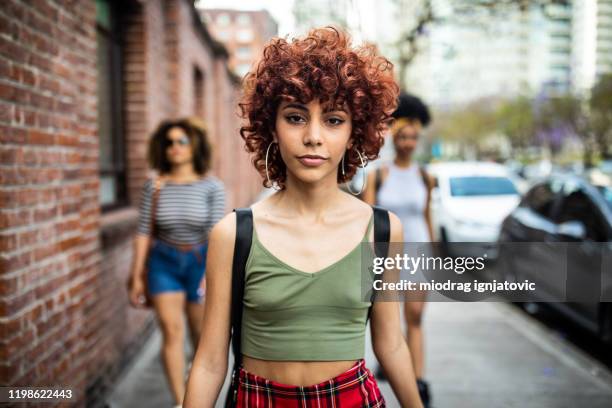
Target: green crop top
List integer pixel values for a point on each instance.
(293, 315)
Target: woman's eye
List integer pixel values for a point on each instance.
(335, 121)
(294, 119)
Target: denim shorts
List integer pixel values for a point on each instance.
(173, 270)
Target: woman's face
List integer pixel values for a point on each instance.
(407, 138)
(312, 139)
(178, 146)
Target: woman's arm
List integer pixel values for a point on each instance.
(427, 212)
(141, 242)
(136, 280)
(209, 366)
(141, 248)
(388, 342)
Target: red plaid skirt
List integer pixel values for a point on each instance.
(355, 388)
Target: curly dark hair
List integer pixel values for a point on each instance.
(195, 130)
(411, 107)
(325, 66)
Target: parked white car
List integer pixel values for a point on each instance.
(470, 201)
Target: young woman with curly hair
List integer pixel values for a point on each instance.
(170, 248)
(314, 111)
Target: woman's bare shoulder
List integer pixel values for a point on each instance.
(221, 247)
(356, 206)
(266, 210)
(262, 205)
(225, 229)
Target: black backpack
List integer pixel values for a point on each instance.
(242, 247)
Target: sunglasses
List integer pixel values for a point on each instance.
(181, 141)
(407, 137)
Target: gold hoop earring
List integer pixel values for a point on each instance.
(267, 173)
(348, 184)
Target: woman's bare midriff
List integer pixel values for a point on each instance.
(302, 373)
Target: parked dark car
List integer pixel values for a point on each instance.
(560, 238)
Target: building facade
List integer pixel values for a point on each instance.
(82, 86)
(244, 34)
(503, 54)
(591, 42)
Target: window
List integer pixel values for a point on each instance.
(110, 130)
(243, 19)
(577, 206)
(244, 35)
(223, 35)
(481, 186)
(223, 19)
(606, 192)
(540, 199)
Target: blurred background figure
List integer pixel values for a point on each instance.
(403, 187)
(177, 210)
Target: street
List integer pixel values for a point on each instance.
(481, 354)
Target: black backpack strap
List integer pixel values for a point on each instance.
(382, 230)
(382, 236)
(242, 247)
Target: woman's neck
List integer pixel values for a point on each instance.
(183, 172)
(312, 201)
(403, 161)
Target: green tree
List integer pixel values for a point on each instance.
(517, 121)
(467, 126)
(568, 114)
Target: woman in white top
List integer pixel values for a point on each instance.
(404, 188)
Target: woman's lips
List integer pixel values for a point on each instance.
(312, 161)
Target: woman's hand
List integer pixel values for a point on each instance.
(209, 366)
(202, 288)
(136, 292)
(136, 282)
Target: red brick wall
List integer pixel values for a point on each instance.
(64, 318)
(49, 218)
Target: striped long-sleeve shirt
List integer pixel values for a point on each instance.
(186, 212)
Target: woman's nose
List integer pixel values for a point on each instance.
(313, 133)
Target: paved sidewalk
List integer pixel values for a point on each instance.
(479, 355)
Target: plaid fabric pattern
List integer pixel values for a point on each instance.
(355, 388)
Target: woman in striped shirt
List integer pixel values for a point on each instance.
(171, 243)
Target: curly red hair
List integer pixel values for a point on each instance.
(325, 66)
